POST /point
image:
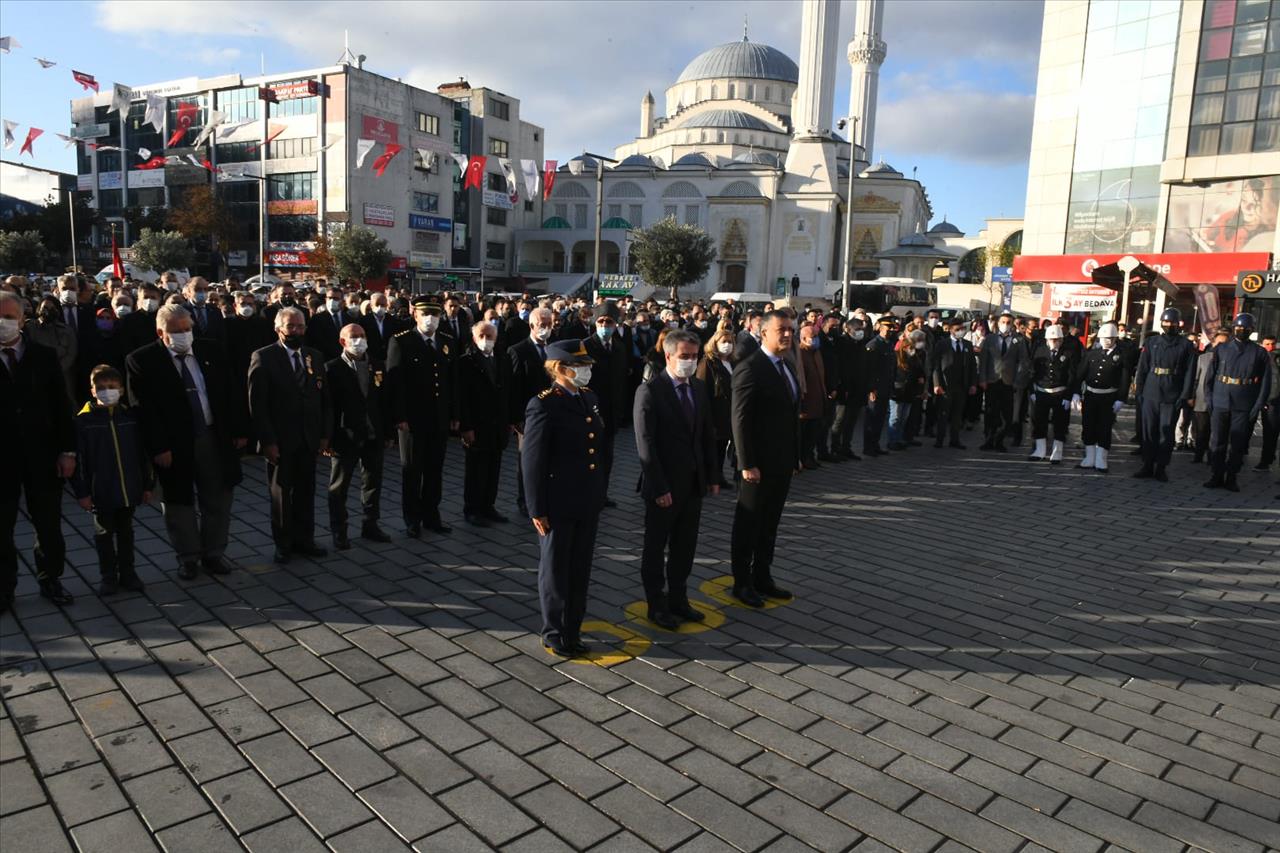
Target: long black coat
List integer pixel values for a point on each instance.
(528, 376)
(159, 398)
(35, 413)
(719, 382)
(484, 403)
(609, 376)
(424, 387)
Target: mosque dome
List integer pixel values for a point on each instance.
(753, 159)
(883, 170)
(741, 59)
(693, 159)
(945, 229)
(730, 119)
(638, 161)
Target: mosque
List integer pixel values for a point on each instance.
(747, 148)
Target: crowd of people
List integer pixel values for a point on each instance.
(135, 388)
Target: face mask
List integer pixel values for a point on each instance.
(1242, 334)
(524, 315)
(815, 342)
(701, 324)
(123, 311)
(357, 346)
(108, 396)
(8, 329)
(484, 345)
(286, 301)
(1004, 328)
(958, 335)
(604, 332)
(200, 297)
(724, 348)
(672, 324)
(428, 325)
(1108, 343)
(67, 297)
(686, 367)
(859, 335)
(293, 341)
(919, 344)
(151, 305)
(1054, 345)
(245, 310)
(933, 322)
(334, 305)
(180, 342)
(1168, 328)
(542, 335)
(581, 376)
(380, 311)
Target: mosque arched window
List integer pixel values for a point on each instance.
(751, 91)
(714, 93)
(768, 93)
(733, 90)
(697, 94)
(720, 136)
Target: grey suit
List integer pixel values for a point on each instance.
(1004, 365)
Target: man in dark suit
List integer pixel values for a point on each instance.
(1004, 371)
(207, 319)
(37, 433)
(75, 297)
(360, 434)
(749, 337)
(515, 324)
(138, 328)
(289, 405)
(456, 322)
(247, 332)
(611, 354)
(766, 434)
(325, 326)
(484, 419)
(191, 408)
(953, 369)
(851, 392)
(421, 373)
(880, 363)
(379, 326)
(528, 378)
(675, 440)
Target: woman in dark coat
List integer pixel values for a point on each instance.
(716, 369)
(908, 386)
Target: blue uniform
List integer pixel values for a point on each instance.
(1237, 384)
(1165, 378)
(564, 482)
(880, 363)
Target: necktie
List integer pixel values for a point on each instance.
(11, 360)
(71, 318)
(1004, 344)
(542, 352)
(956, 346)
(198, 422)
(297, 367)
(686, 402)
(786, 380)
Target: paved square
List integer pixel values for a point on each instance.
(983, 653)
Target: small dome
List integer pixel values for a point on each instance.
(638, 161)
(556, 222)
(945, 229)
(883, 170)
(916, 239)
(693, 160)
(616, 222)
(733, 119)
(754, 159)
(588, 164)
(741, 59)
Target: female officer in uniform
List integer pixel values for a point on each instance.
(564, 484)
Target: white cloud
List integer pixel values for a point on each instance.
(959, 121)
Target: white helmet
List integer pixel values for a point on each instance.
(1109, 330)
(1053, 333)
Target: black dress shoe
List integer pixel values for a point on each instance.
(220, 566)
(341, 543)
(609, 504)
(281, 556)
(413, 531)
(441, 528)
(748, 596)
(663, 619)
(496, 517)
(558, 648)
(6, 603)
(1230, 483)
(1143, 473)
(52, 590)
(872, 452)
(475, 520)
(774, 591)
(1000, 448)
(1214, 482)
(108, 586)
(1262, 466)
(914, 443)
(313, 551)
(190, 571)
(685, 613)
(986, 445)
(577, 648)
(374, 534)
(957, 445)
(1160, 475)
(827, 457)
(133, 583)
(811, 466)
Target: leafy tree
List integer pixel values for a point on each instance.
(53, 223)
(143, 218)
(973, 266)
(200, 214)
(360, 254)
(670, 255)
(322, 258)
(161, 250)
(22, 251)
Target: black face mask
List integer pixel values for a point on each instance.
(1169, 328)
(293, 341)
(287, 301)
(1242, 334)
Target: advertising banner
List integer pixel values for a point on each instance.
(382, 215)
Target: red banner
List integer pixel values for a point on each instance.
(548, 178)
(381, 130)
(288, 259)
(1179, 268)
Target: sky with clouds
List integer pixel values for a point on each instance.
(956, 91)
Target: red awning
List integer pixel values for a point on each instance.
(1178, 267)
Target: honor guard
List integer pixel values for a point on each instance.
(1165, 376)
(1101, 387)
(424, 407)
(1238, 384)
(1052, 373)
(564, 484)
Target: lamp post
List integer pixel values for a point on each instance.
(852, 123)
(595, 265)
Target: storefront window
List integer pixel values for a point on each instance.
(1242, 39)
(1225, 216)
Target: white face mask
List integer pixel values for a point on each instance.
(8, 329)
(123, 310)
(859, 335)
(543, 334)
(1054, 343)
(171, 286)
(150, 305)
(428, 325)
(357, 346)
(1108, 343)
(919, 344)
(958, 335)
(686, 367)
(724, 348)
(245, 310)
(672, 324)
(334, 305)
(1004, 328)
(484, 345)
(379, 311)
(180, 342)
(932, 321)
(108, 396)
(581, 376)
(67, 297)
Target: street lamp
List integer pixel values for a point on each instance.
(852, 123)
(595, 266)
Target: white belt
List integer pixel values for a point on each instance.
(1057, 390)
(1093, 390)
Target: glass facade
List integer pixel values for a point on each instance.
(1236, 109)
(1125, 91)
(239, 104)
(1223, 216)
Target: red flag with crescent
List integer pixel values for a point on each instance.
(85, 80)
(186, 118)
(31, 137)
(475, 173)
(380, 164)
(548, 178)
(117, 267)
(156, 162)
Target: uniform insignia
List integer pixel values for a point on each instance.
(377, 378)
(310, 372)
(545, 393)
(444, 349)
(402, 333)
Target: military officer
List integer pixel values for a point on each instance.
(1101, 386)
(564, 482)
(1052, 372)
(1165, 376)
(424, 405)
(1239, 384)
(610, 350)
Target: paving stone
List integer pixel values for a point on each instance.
(108, 712)
(245, 801)
(962, 826)
(380, 728)
(353, 762)
(85, 794)
(19, 788)
(279, 758)
(271, 689)
(800, 821)
(371, 837)
(646, 773)
(429, 767)
(579, 774)
(882, 824)
(486, 813)
(310, 723)
(33, 831)
(646, 817)
(569, 817)
(174, 717)
(501, 768)
(204, 834)
(292, 835)
(405, 808)
(241, 719)
(720, 776)
(133, 752)
(122, 831)
(326, 806)
(43, 709)
(455, 838)
(165, 798)
(1117, 830)
(811, 787)
(207, 755)
(1038, 827)
(939, 783)
(59, 749)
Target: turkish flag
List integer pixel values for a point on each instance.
(117, 268)
(156, 162)
(548, 178)
(380, 164)
(85, 80)
(187, 112)
(475, 173)
(31, 137)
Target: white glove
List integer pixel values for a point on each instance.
(1075, 402)
(1116, 407)
(1066, 404)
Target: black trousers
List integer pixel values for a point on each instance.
(606, 456)
(1097, 417)
(422, 455)
(914, 417)
(520, 499)
(843, 422)
(672, 531)
(1203, 428)
(873, 424)
(43, 492)
(810, 428)
(1229, 441)
(933, 406)
(483, 467)
(113, 537)
(293, 498)
(999, 412)
(564, 573)
(755, 528)
(949, 416)
(1050, 409)
(1270, 431)
(342, 471)
(1158, 423)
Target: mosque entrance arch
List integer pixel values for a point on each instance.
(735, 278)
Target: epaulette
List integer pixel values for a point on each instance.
(403, 332)
(546, 392)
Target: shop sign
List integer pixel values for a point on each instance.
(288, 259)
(379, 130)
(238, 258)
(90, 131)
(1080, 298)
(398, 264)
(616, 284)
(426, 260)
(109, 180)
(424, 222)
(1258, 284)
(1178, 267)
(146, 178)
(382, 215)
(494, 198)
(84, 183)
(295, 89)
